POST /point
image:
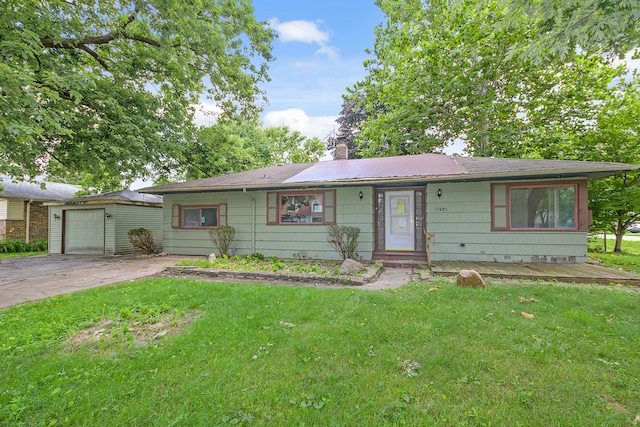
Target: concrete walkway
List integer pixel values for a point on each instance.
(27, 279)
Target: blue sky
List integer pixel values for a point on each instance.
(319, 53)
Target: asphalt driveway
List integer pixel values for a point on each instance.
(25, 279)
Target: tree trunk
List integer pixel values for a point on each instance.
(618, 247)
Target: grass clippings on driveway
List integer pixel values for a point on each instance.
(424, 354)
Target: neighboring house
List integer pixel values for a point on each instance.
(100, 224)
(23, 216)
(455, 208)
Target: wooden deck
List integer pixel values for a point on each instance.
(572, 273)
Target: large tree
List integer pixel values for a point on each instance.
(615, 137)
(104, 90)
(563, 29)
(445, 71)
(236, 145)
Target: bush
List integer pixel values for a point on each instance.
(222, 238)
(15, 246)
(344, 240)
(142, 241)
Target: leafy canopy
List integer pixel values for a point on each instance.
(445, 72)
(235, 146)
(103, 91)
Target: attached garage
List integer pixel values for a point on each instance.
(100, 224)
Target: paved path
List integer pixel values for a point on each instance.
(26, 279)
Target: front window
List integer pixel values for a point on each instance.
(198, 217)
(301, 208)
(547, 207)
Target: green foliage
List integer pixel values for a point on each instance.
(222, 238)
(142, 241)
(283, 355)
(448, 72)
(106, 93)
(344, 240)
(615, 201)
(561, 28)
(19, 246)
(238, 145)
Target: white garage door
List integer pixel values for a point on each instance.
(84, 231)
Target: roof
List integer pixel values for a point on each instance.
(400, 170)
(10, 188)
(123, 197)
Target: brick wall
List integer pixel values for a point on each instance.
(38, 227)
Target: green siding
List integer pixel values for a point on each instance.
(127, 217)
(461, 221)
(283, 241)
(116, 238)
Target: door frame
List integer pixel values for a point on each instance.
(419, 214)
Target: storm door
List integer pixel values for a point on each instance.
(399, 221)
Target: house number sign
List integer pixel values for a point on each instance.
(441, 209)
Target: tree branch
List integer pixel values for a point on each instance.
(95, 56)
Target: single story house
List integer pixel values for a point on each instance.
(453, 208)
(100, 224)
(23, 215)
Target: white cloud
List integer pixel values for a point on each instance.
(332, 52)
(305, 32)
(207, 114)
(297, 119)
(299, 31)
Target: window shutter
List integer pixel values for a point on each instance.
(222, 214)
(175, 216)
(272, 208)
(330, 207)
(499, 207)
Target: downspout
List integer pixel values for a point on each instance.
(28, 226)
(253, 221)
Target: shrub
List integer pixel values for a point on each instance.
(142, 241)
(15, 246)
(222, 238)
(344, 240)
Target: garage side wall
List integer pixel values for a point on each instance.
(127, 217)
(55, 229)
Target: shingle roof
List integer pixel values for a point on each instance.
(125, 197)
(29, 190)
(400, 170)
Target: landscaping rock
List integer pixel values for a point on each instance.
(470, 279)
(212, 257)
(350, 266)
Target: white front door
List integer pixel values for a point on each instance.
(399, 221)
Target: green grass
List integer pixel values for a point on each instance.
(21, 254)
(628, 259)
(425, 354)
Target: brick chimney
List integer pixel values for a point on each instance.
(341, 152)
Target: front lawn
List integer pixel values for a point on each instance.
(185, 352)
(628, 259)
